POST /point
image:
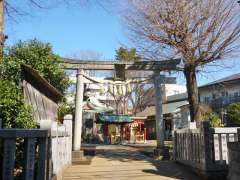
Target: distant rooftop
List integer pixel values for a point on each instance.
(223, 80)
(177, 97)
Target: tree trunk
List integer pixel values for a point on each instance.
(1, 28)
(192, 89)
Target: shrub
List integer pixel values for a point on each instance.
(233, 112)
(13, 111)
(40, 57)
(214, 119)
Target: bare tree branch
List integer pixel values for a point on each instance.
(200, 32)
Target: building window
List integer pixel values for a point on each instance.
(236, 94)
(206, 100)
(224, 93)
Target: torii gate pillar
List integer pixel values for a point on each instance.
(159, 113)
(161, 152)
(78, 111)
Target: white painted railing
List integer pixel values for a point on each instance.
(62, 147)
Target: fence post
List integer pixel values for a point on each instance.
(42, 161)
(68, 124)
(238, 132)
(9, 158)
(175, 145)
(206, 145)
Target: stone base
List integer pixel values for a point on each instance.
(77, 154)
(161, 153)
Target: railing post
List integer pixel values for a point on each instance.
(42, 161)
(68, 124)
(206, 144)
(238, 132)
(175, 145)
(29, 158)
(9, 158)
(49, 158)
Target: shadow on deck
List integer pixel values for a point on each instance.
(128, 162)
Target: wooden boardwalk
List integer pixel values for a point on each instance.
(126, 163)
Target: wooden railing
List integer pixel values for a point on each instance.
(204, 149)
(46, 152)
(35, 147)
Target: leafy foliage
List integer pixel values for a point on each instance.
(233, 112)
(12, 108)
(214, 119)
(63, 109)
(38, 55)
(126, 54)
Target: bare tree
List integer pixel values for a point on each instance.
(138, 97)
(133, 97)
(120, 96)
(200, 32)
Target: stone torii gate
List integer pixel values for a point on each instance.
(120, 68)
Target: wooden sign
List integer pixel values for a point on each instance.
(216, 147)
(231, 138)
(163, 79)
(224, 147)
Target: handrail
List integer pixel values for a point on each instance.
(29, 133)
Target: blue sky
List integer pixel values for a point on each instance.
(71, 30)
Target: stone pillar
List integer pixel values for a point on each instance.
(68, 124)
(78, 111)
(94, 128)
(160, 152)
(158, 106)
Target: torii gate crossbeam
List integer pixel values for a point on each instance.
(165, 65)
